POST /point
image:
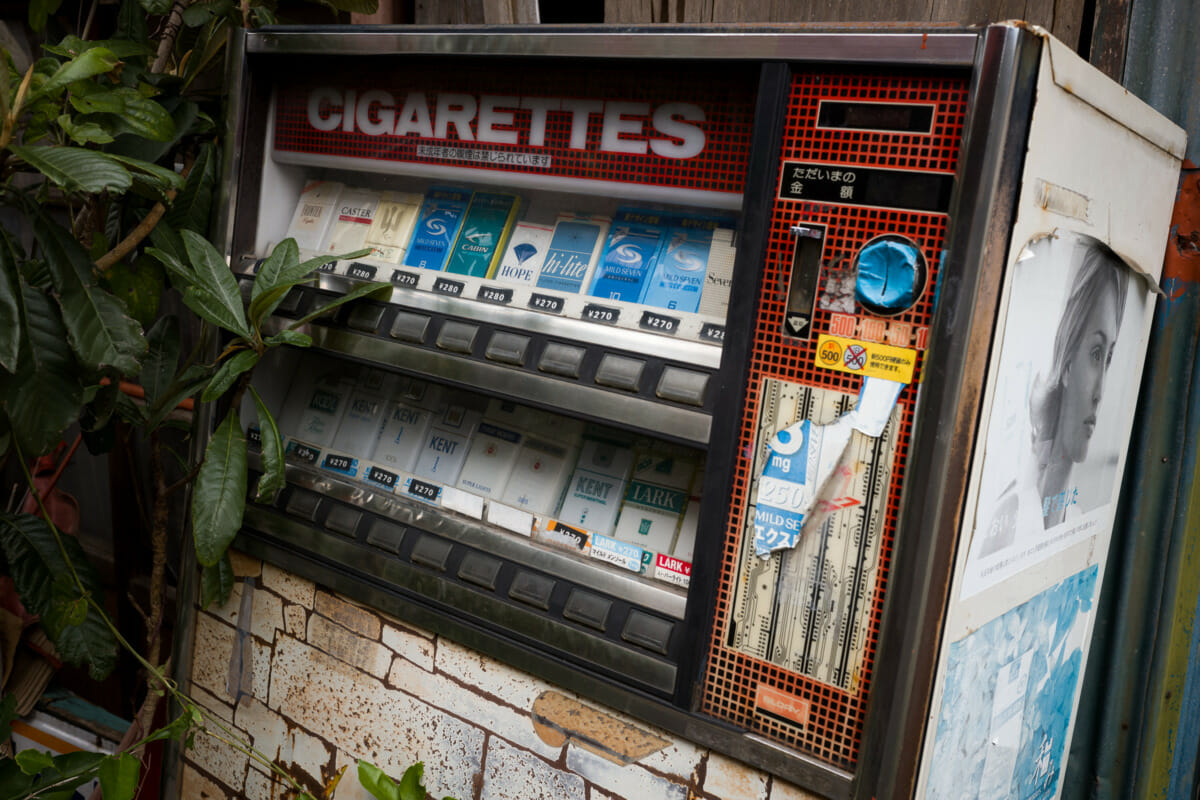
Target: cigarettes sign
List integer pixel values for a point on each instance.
(661, 128)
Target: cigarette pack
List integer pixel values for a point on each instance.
(437, 227)
(445, 448)
(655, 502)
(525, 254)
(714, 299)
(629, 256)
(312, 414)
(685, 542)
(594, 492)
(355, 213)
(490, 461)
(678, 278)
(539, 475)
(314, 213)
(488, 222)
(405, 428)
(574, 252)
(360, 426)
(392, 227)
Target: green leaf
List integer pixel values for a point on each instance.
(411, 787)
(166, 178)
(43, 396)
(192, 205)
(119, 776)
(76, 169)
(162, 357)
(95, 61)
(273, 477)
(212, 274)
(192, 380)
(131, 111)
(40, 11)
(123, 46)
(33, 761)
(83, 132)
(377, 291)
(228, 373)
(101, 333)
(271, 272)
(216, 582)
(139, 286)
(219, 495)
(211, 309)
(376, 781)
(131, 22)
(10, 302)
(41, 566)
(294, 338)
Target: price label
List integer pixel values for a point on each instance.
(382, 477)
(493, 294)
(546, 302)
(713, 333)
(328, 266)
(423, 490)
(254, 437)
(257, 265)
(303, 453)
(595, 313)
(338, 463)
(659, 323)
(570, 536)
(362, 271)
(443, 286)
(407, 279)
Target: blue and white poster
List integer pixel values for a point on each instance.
(1009, 695)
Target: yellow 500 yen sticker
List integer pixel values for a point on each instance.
(866, 358)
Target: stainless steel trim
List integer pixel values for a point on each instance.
(929, 45)
(697, 354)
(602, 404)
(642, 667)
(661, 598)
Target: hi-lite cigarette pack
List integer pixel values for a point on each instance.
(573, 252)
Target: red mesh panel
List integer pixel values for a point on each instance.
(726, 94)
(836, 717)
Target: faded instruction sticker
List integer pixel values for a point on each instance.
(808, 608)
(803, 457)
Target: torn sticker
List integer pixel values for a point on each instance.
(801, 459)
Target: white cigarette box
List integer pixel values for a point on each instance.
(490, 461)
(392, 226)
(539, 476)
(314, 212)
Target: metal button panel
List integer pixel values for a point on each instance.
(457, 337)
(620, 372)
(682, 386)
(562, 359)
(507, 348)
(410, 327)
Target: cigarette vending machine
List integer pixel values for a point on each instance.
(702, 354)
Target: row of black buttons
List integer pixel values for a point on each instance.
(479, 569)
(675, 384)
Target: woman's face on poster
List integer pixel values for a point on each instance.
(1083, 381)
